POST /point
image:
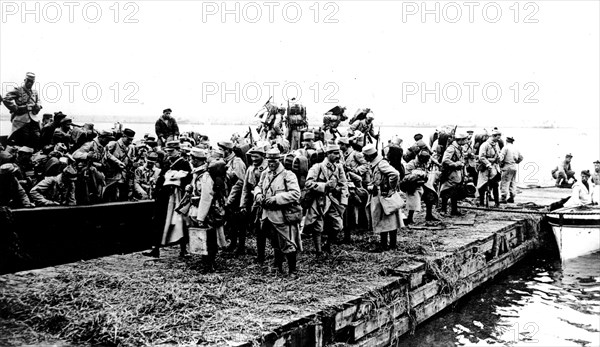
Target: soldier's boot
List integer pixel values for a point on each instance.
(383, 242)
(393, 239)
(482, 193)
(241, 248)
(429, 215)
(261, 243)
(455, 211)
(327, 246)
(183, 248)
(511, 200)
(409, 220)
(496, 192)
(444, 206)
(317, 242)
(347, 235)
(291, 258)
(278, 263)
(155, 253)
(210, 262)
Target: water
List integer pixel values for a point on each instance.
(537, 303)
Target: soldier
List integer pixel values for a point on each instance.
(296, 121)
(453, 174)
(56, 190)
(489, 168)
(365, 126)
(236, 171)
(12, 193)
(510, 157)
(25, 169)
(119, 159)
(356, 168)
(278, 188)
(328, 184)
(384, 180)
(211, 208)
(247, 207)
(416, 148)
(90, 160)
(332, 120)
(24, 105)
(62, 134)
(309, 145)
(48, 130)
(146, 177)
(166, 128)
(418, 173)
(168, 224)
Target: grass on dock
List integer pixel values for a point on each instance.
(130, 300)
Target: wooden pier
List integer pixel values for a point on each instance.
(370, 308)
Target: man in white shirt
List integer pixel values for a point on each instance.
(510, 157)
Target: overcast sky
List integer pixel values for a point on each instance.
(377, 54)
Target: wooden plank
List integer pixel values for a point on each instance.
(345, 317)
(412, 271)
(423, 293)
(383, 297)
(472, 265)
(381, 317)
(385, 336)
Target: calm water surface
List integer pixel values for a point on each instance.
(538, 303)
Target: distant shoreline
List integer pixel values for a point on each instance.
(144, 120)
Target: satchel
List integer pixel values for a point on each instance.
(391, 204)
(292, 213)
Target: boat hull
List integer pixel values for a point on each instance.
(50, 236)
(576, 234)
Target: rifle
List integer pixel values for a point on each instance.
(378, 136)
(251, 139)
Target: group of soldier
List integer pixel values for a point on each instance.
(321, 183)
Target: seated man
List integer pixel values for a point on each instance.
(581, 193)
(563, 172)
(145, 178)
(57, 190)
(12, 193)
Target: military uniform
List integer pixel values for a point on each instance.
(384, 180)
(489, 157)
(54, 191)
(254, 211)
(275, 190)
(329, 184)
(423, 180)
(144, 181)
(452, 176)
(357, 173)
(24, 105)
(166, 128)
(119, 159)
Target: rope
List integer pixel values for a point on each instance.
(526, 211)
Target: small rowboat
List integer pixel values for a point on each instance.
(576, 229)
